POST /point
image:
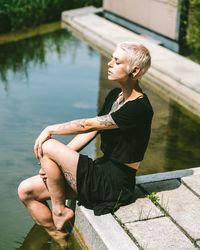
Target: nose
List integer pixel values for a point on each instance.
(110, 63)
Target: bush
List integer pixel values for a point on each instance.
(191, 46)
(193, 32)
(17, 15)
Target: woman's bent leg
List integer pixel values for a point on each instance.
(33, 193)
(58, 157)
(56, 184)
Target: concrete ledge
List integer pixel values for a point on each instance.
(101, 232)
(167, 175)
(80, 11)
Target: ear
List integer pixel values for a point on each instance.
(136, 71)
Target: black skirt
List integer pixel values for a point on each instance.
(104, 185)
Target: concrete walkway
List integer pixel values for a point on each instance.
(170, 72)
(165, 216)
(169, 217)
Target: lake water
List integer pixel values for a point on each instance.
(53, 78)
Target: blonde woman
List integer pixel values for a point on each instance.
(106, 183)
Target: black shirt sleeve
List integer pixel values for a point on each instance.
(128, 115)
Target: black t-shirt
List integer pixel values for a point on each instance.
(128, 143)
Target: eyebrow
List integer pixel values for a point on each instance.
(116, 58)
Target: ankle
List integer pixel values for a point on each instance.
(62, 210)
(59, 210)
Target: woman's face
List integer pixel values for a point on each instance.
(118, 66)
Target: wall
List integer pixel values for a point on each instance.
(161, 16)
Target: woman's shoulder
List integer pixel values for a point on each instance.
(139, 105)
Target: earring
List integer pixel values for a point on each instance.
(131, 75)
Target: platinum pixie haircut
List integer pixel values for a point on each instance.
(137, 55)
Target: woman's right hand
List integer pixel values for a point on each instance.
(44, 136)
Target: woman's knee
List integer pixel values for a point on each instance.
(49, 146)
(25, 190)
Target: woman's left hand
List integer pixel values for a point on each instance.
(44, 136)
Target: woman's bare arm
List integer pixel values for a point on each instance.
(81, 140)
(74, 127)
(82, 125)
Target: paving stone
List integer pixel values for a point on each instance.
(159, 234)
(193, 182)
(182, 205)
(141, 209)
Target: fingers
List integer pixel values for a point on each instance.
(37, 149)
(44, 136)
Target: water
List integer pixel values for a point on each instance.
(45, 79)
(54, 78)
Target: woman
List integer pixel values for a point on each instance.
(104, 184)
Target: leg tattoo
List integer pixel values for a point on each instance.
(71, 181)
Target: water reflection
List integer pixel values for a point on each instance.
(17, 57)
(174, 140)
(38, 239)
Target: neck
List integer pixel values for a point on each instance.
(131, 89)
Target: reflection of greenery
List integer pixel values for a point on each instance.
(183, 144)
(17, 56)
(19, 14)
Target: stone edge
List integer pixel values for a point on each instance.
(101, 232)
(177, 174)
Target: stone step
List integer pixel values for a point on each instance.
(180, 203)
(159, 234)
(141, 209)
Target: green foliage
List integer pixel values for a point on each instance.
(193, 32)
(16, 15)
(192, 41)
(153, 197)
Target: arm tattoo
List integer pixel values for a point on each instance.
(105, 120)
(71, 181)
(78, 123)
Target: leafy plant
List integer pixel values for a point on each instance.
(153, 197)
(17, 15)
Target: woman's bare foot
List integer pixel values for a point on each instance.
(62, 217)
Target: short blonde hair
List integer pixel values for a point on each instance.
(137, 55)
